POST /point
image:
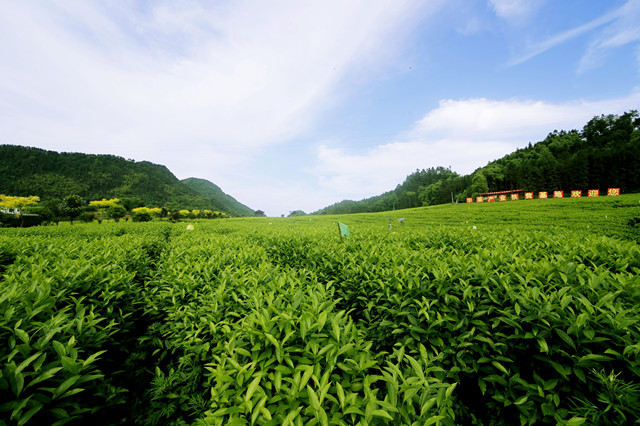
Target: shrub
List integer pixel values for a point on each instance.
(116, 212)
(86, 217)
(142, 217)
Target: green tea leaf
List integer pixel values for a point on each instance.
(65, 386)
(382, 413)
(340, 392)
(27, 416)
(253, 386)
(433, 419)
(565, 337)
(521, 400)
(22, 335)
(544, 348)
(26, 362)
(500, 367)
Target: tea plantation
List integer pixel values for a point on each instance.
(508, 313)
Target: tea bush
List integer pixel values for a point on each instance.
(280, 321)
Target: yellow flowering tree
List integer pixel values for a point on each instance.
(104, 203)
(103, 206)
(220, 215)
(154, 211)
(145, 214)
(17, 203)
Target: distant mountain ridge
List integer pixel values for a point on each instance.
(28, 171)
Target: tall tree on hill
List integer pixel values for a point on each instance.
(72, 206)
(479, 183)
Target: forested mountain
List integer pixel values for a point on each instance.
(26, 171)
(213, 191)
(606, 153)
(423, 187)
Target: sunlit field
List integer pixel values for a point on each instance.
(494, 313)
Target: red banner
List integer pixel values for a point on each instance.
(501, 192)
(611, 192)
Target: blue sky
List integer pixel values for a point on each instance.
(292, 105)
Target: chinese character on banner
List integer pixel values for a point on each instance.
(528, 195)
(470, 200)
(515, 197)
(576, 194)
(479, 199)
(594, 193)
(491, 199)
(613, 192)
(502, 198)
(542, 194)
(558, 194)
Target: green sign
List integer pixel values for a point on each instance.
(344, 230)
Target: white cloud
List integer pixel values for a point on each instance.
(243, 75)
(481, 118)
(200, 88)
(380, 169)
(515, 9)
(206, 88)
(463, 134)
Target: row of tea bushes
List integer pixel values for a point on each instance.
(281, 322)
(68, 323)
(532, 327)
(242, 340)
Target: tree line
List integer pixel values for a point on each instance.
(29, 211)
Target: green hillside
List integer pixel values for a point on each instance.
(213, 191)
(611, 216)
(606, 153)
(29, 171)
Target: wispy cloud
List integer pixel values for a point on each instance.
(622, 31)
(155, 79)
(620, 27)
(218, 89)
(515, 9)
